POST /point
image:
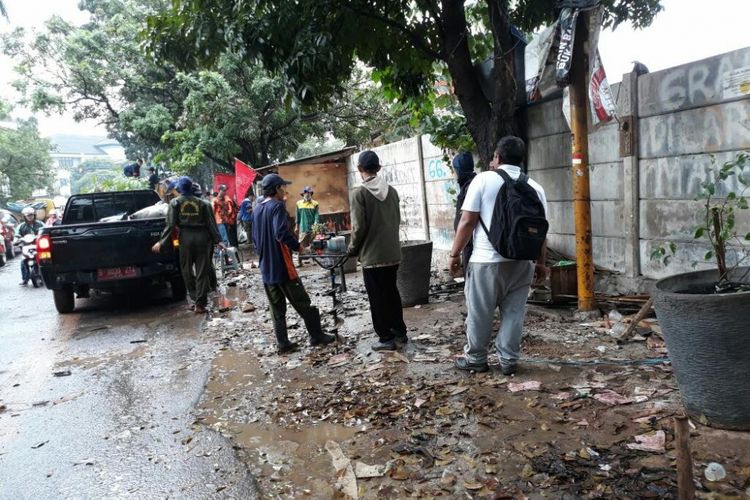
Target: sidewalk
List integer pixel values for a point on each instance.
(346, 421)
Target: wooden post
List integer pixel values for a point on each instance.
(580, 172)
(685, 484)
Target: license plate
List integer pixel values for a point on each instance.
(116, 273)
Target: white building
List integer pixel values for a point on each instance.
(72, 150)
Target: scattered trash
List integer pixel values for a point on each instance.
(139, 341)
(346, 480)
(339, 360)
(653, 442)
(39, 445)
(715, 472)
(531, 385)
(248, 308)
(64, 373)
(364, 471)
(609, 397)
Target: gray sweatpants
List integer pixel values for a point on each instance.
(489, 286)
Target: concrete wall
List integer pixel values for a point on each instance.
(426, 187)
(681, 116)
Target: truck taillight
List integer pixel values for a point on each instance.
(44, 248)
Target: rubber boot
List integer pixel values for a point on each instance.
(312, 323)
(282, 338)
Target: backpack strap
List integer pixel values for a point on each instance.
(502, 173)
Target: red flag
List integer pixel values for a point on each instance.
(226, 179)
(244, 177)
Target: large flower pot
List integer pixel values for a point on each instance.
(414, 272)
(708, 340)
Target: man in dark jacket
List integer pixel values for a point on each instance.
(463, 166)
(376, 217)
(274, 243)
(198, 234)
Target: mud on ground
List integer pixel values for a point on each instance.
(345, 421)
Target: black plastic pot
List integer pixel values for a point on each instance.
(708, 340)
(414, 272)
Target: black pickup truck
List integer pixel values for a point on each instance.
(99, 246)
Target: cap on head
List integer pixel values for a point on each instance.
(369, 161)
(308, 189)
(273, 180)
(28, 211)
(185, 185)
(151, 169)
(197, 191)
(222, 187)
(463, 163)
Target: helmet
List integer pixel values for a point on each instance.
(28, 211)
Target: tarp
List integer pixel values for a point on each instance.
(227, 179)
(244, 177)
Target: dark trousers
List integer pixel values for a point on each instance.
(293, 291)
(385, 301)
(195, 264)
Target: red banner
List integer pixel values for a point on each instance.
(244, 177)
(226, 179)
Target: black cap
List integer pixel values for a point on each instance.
(151, 169)
(273, 180)
(368, 160)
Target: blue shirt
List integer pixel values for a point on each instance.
(246, 210)
(274, 242)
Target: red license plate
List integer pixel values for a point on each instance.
(116, 273)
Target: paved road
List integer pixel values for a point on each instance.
(120, 425)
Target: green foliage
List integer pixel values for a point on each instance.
(25, 160)
(315, 45)
(190, 118)
(107, 180)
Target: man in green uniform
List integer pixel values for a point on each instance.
(308, 214)
(198, 234)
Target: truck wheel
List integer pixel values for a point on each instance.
(178, 288)
(64, 300)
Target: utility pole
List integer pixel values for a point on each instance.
(580, 167)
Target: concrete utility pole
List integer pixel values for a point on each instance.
(580, 150)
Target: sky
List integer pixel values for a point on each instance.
(684, 31)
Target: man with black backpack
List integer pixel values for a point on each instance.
(504, 213)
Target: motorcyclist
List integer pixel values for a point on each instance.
(29, 226)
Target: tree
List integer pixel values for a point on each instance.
(315, 44)
(25, 160)
(98, 71)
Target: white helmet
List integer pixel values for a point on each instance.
(28, 211)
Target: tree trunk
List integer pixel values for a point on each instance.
(486, 122)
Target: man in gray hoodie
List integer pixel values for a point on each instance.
(376, 217)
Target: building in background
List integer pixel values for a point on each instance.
(72, 151)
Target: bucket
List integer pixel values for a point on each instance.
(414, 272)
(350, 266)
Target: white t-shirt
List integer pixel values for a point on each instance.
(481, 198)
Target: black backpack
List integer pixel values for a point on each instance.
(519, 227)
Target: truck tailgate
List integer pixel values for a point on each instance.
(87, 247)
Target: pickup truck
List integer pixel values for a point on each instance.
(98, 245)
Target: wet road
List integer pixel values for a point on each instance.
(121, 423)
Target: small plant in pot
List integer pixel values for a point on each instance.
(705, 315)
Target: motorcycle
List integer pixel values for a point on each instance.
(28, 254)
